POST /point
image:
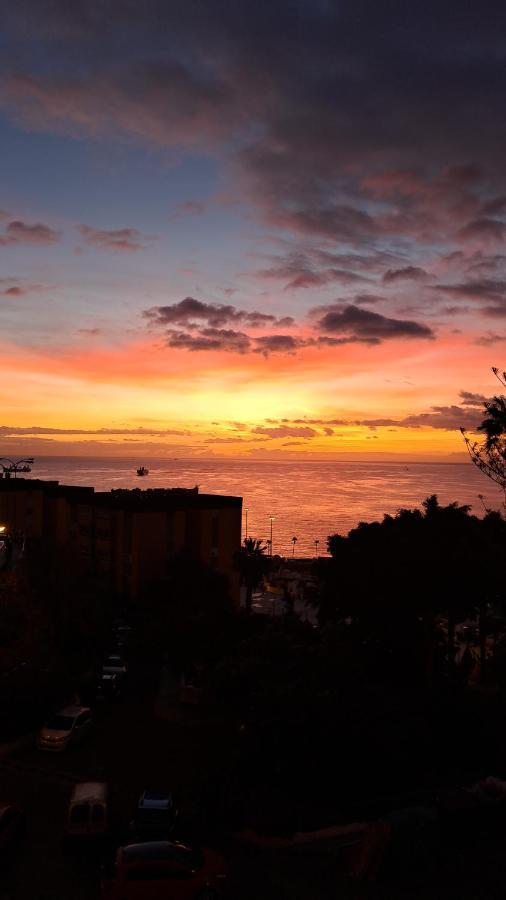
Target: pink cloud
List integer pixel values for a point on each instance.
(127, 239)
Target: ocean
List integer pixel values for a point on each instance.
(306, 499)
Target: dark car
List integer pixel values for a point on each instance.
(155, 816)
(115, 663)
(108, 686)
(12, 827)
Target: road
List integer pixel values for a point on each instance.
(147, 740)
(132, 748)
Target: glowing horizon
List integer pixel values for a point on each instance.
(202, 255)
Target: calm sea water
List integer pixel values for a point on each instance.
(309, 500)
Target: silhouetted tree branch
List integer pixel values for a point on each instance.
(489, 455)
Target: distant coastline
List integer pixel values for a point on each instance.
(246, 460)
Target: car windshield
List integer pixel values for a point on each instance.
(60, 723)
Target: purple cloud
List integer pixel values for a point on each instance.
(14, 287)
(491, 338)
(279, 343)
(483, 229)
(408, 273)
(367, 326)
(18, 232)
(210, 339)
(491, 292)
(191, 312)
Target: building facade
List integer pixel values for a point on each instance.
(128, 537)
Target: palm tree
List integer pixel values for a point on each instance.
(294, 541)
(252, 564)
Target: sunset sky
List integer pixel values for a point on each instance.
(258, 229)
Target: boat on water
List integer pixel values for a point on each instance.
(142, 471)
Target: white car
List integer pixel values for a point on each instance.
(69, 726)
(88, 810)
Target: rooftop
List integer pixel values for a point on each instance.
(134, 500)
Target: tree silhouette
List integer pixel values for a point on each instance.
(489, 455)
(394, 578)
(294, 541)
(252, 564)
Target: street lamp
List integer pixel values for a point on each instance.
(316, 547)
(272, 520)
(246, 523)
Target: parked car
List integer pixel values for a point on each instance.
(161, 869)
(108, 686)
(69, 726)
(115, 663)
(155, 816)
(12, 827)
(88, 812)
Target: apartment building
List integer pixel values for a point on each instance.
(128, 537)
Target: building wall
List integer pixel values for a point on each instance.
(218, 540)
(128, 547)
(23, 510)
